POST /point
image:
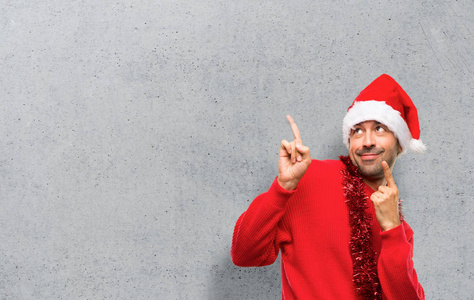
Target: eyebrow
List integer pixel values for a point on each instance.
(376, 123)
(379, 123)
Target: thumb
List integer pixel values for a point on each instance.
(302, 149)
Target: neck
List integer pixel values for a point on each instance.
(375, 183)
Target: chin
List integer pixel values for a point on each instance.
(372, 174)
(374, 170)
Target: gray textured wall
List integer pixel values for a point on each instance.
(134, 133)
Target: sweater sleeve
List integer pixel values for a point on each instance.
(395, 267)
(259, 231)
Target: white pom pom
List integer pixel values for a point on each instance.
(417, 146)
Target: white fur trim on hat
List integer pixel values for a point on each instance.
(417, 146)
(381, 112)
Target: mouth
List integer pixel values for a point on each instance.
(369, 156)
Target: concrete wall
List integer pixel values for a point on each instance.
(134, 133)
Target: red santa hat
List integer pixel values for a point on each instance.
(385, 101)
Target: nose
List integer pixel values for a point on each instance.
(369, 140)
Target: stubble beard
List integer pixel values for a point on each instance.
(373, 169)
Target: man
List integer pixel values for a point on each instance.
(337, 222)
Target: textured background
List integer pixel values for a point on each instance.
(134, 134)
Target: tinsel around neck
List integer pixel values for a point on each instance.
(364, 265)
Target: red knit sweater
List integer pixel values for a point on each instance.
(310, 226)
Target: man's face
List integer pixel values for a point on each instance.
(370, 143)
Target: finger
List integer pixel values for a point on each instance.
(302, 149)
(388, 174)
(293, 152)
(294, 128)
(374, 197)
(285, 146)
(384, 189)
(303, 152)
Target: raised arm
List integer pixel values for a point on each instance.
(259, 231)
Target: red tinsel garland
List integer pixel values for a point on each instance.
(364, 263)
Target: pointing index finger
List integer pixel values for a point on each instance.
(388, 174)
(294, 128)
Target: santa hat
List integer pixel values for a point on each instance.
(385, 101)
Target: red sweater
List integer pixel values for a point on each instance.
(310, 226)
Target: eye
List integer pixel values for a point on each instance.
(357, 131)
(380, 129)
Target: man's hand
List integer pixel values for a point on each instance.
(294, 159)
(386, 201)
